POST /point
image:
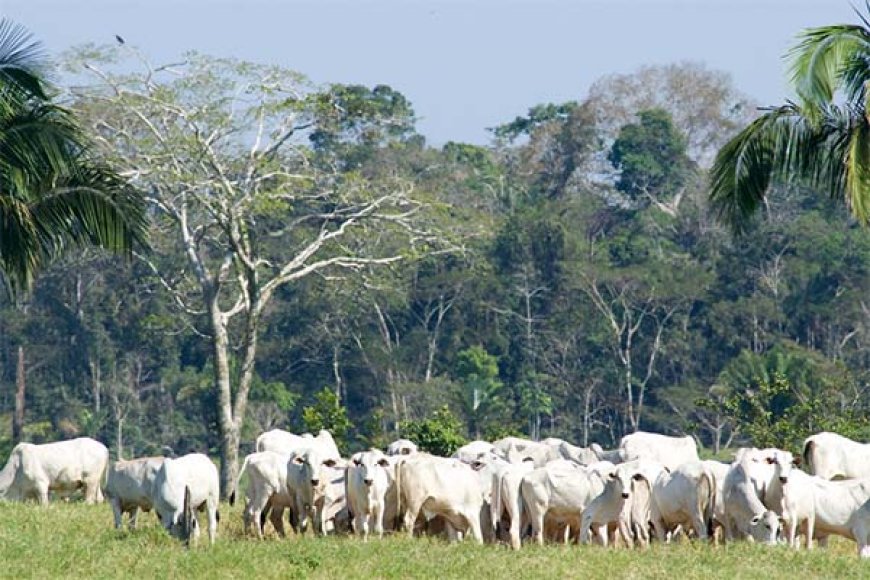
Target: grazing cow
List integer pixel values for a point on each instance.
(560, 490)
(370, 478)
(506, 499)
(437, 486)
(182, 486)
(308, 481)
(832, 456)
(129, 485)
(63, 467)
(746, 517)
(267, 490)
(402, 447)
(684, 497)
(826, 506)
(669, 451)
(471, 452)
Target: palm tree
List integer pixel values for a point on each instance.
(822, 140)
(53, 193)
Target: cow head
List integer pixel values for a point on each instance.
(764, 527)
(371, 466)
(621, 480)
(783, 462)
(314, 462)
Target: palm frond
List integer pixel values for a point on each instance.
(818, 61)
(857, 173)
(22, 61)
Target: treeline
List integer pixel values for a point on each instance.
(568, 280)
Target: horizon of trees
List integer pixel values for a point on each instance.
(568, 280)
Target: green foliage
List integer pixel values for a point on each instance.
(440, 434)
(771, 412)
(327, 413)
(480, 396)
(651, 157)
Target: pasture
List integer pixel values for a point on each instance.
(75, 540)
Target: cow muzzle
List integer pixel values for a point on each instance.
(783, 480)
(625, 495)
(315, 482)
(368, 481)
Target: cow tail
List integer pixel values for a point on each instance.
(495, 505)
(707, 500)
(809, 445)
(232, 497)
(399, 515)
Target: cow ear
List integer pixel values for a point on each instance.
(298, 460)
(797, 460)
(613, 475)
(355, 460)
(771, 460)
(384, 462)
(637, 476)
(405, 451)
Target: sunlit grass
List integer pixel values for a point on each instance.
(75, 540)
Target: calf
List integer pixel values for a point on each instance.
(370, 478)
(182, 486)
(129, 485)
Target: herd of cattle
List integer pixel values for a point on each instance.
(506, 491)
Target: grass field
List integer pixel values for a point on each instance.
(75, 540)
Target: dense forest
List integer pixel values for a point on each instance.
(314, 262)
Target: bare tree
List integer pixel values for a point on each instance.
(221, 149)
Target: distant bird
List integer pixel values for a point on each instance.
(119, 39)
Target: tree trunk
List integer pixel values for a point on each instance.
(228, 431)
(20, 390)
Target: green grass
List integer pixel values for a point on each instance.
(75, 540)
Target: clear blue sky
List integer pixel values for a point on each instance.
(465, 65)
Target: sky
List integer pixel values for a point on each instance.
(464, 64)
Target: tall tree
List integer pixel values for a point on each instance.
(223, 148)
(820, 140)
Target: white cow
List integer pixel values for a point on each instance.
(560, 490)
(581, 455)
(832, 456)
(280, 441)
(669, 451)
(267, 490)
(860, 525)
(402, 447)
(129, 485)
(745, 515)
(624, 502)
(684, 497)
(470, 452)
(437, 486)
(63, 467)
(182, 486)
(370, 478)
(826, 506)
(720, 472)
(308, 479)
(506, 499)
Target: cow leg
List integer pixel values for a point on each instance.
(378, 517)
(811, 525)
(211, 509)
(117, 512)
(474, 525)
(134, 516)
(791, 526)
(515, 531)
(361, 525)
(410, 518)
(625, 533)
(42, 495)
(276, 516)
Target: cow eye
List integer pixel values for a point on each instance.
(329, 463)
(299, 460)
